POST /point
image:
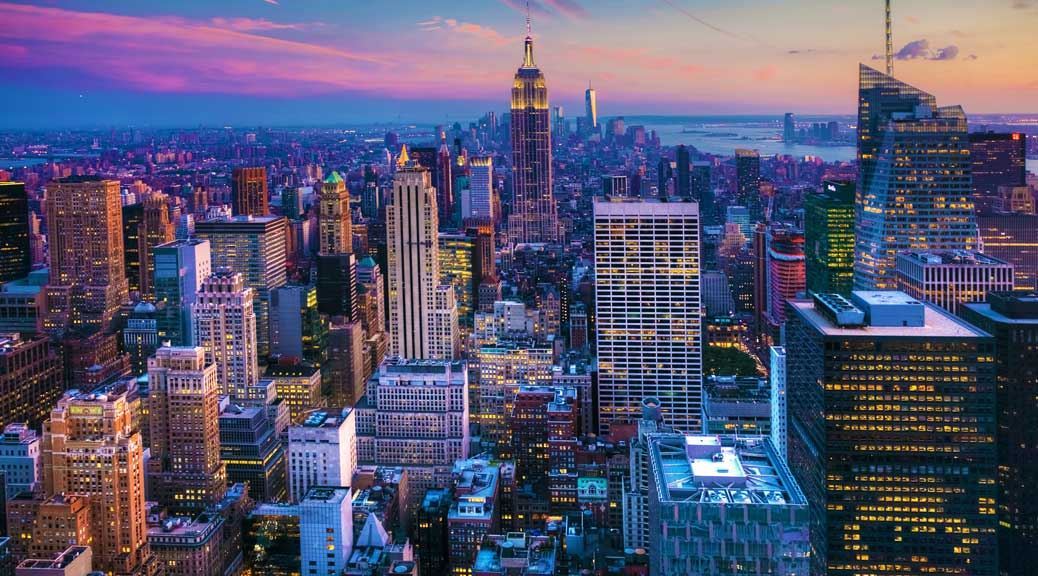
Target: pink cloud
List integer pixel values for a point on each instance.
(253, 24)
(469, 29)
(639, 58)
(765, 73)
(168, 54)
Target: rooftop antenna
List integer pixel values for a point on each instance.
(529, 28)
(890, 42)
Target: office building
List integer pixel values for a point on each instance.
(20, 459)
(73, 561)
(481, 188)
(186, 546)
(371, 287)
(1012, 238)
(180, 268)
(419, 310)
(543, 427)
(1012, 318)
(950, 278)
(534, 218)
(747, 183)
(415, 414)
(344, 373)
(430, 531)
(15, 255)
(997, 159)
(615, 186)
(185, 472)
(913, 180)
(32, 379)
(501, 369)
(298, 385)
(249, 195)
(736, 405)
(87, 271)
(322, 451)
(457, 254)
(91, 447)
(23, 303)
(223, 322)
(336, 232)
(444, 182)
(475, 511)
(876, 473)
(829, 238)
(251, 449)
(647, 310)
(779, 401)
(325, 530)
(702, 191)
(786, 272)
(141, 335)
(145, 225)
(682, 173)
(717, 502)
(789, 129)
(297, 328)
(255, 248)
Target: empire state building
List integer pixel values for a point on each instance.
(534, 218)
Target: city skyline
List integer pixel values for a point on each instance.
(279, 63)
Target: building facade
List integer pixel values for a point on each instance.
(951, 278)
(225, 325)
(647, 310)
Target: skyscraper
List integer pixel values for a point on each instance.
(1014, 239)
(892, 435)
(481, 187)
(829, 238)
(253, 246)
(31, 379)
(325, 530)
(1012, 318)
(913, 179)
(334, 216)
(224, 323)
(185, 472)
(87, 271)
(949, 278)
(591, 109)
(322, 451)
(145, 226)
(416, 301)
(747, 179)
(786, 276)
(91, 447)
(647, 303)
(15, 256)
(534, 218)
(789, 129)
(997, 159)
(180, 268)
(683, 188)
(444, 182)
(249, 192)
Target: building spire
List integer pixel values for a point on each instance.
(404, 158)
(528, 49)
(890, 44)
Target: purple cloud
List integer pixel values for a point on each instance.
(921, 50)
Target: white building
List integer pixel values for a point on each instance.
(20, 458)
(322, 451)
(419, 312)
(779, 418)
(224, 323)
(415, 414)
(648, 312)
(325, 530)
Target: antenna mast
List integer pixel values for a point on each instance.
(890, 42)
(529, 28)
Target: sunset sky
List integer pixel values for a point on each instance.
(157, 62)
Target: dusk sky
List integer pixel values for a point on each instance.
(270, 62)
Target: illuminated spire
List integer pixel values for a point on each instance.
(404, 158)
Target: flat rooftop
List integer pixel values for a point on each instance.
(936, 322)
(721, 470)
(951, 257)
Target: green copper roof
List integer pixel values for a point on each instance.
(333, 178)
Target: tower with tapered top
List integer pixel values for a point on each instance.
(534, 218)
